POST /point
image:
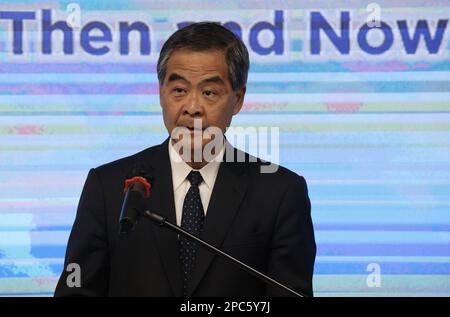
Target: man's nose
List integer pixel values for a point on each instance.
(193, 106)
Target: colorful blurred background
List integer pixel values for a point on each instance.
(364, 116)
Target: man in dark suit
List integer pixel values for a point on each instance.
(261, 218)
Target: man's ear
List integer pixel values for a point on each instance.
(240, 94)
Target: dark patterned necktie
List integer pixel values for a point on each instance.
(192, 221)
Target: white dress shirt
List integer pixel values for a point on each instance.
(181, 185)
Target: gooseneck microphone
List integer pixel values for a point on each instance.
(137, 189)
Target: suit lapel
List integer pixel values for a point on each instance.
(228, 192)
(161, 201)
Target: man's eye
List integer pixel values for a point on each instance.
(178, 90)
(209, 93)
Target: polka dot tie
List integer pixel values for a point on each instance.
(192, 221)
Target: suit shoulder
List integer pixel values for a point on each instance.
(289, 175)
(123, 164)
(269, 172)
(280, 175)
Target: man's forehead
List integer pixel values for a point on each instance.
(186, 50)
(210, 59)
(204, 65)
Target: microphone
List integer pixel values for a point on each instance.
(137, 189)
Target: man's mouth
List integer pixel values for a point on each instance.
(192, 129)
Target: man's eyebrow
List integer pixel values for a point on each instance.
(215, 79)
(175, 76)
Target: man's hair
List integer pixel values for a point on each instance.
(208, 36)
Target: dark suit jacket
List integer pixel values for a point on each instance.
(262, 219)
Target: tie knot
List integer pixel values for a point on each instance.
(195, 178)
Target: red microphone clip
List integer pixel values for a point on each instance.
(138, 179)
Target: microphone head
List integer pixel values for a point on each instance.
(139, 177)
(137, 187)
(141, 170)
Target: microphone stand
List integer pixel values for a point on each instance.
(161, 221)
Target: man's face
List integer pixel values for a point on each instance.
(197, 86)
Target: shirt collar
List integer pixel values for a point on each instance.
(180, 169)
